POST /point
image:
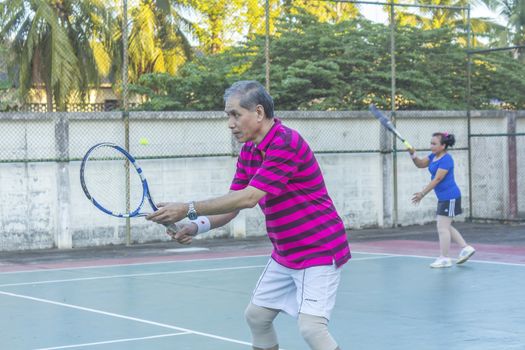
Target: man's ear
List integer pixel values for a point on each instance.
(259, 109)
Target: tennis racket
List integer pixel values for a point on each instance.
(104, 172)
(383, 119)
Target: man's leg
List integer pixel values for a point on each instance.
(314, 330)
(316, 293)
(260, 320)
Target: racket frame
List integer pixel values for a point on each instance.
(383, 119)
(145, 188)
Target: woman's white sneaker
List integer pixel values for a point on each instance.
(465, 254)
(441, 262)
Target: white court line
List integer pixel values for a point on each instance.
(157, 273)
(129, 318)
(143, 263)
(225, 258)
(386, 256)
(131, 275)
(433, 257)
(187, 250)
(113, 341)
(132, 264)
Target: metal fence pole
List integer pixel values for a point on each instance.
(393, 102)
(267, 45)
(125, 114)
(469, 121)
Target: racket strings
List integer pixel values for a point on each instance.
(106, 174)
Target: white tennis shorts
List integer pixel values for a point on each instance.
(310, 291)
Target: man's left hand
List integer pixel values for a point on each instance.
(185, 233)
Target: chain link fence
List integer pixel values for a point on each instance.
(380, 61)
(65, 136)
(167, 106)
(497, 138)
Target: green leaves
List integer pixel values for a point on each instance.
(323, 66)
(199, 85)
(62, 73)
(50, 44)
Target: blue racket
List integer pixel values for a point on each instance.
(105, 169)
(383, 119)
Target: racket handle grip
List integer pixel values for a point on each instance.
(407, 145)
(173, 227)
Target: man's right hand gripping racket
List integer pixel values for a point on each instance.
(103, 176)
(383, 119)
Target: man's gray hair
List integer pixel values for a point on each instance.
(251, 93)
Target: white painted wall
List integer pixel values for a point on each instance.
(42, 204)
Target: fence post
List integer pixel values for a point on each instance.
(387, 166)
(125, 114)
(393, 213)
(267, 45)
(63, 237)
(512, 165)
(238, 224)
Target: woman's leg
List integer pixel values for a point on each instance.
(444, 232)
(457, 237)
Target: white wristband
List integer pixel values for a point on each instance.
(203, 224)
(413, 155)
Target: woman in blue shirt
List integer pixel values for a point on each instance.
(441, 167)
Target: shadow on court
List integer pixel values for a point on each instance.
(158, 296)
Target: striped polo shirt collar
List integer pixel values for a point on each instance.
(267, 139)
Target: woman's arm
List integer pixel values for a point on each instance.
(419, 162)
(440, 175)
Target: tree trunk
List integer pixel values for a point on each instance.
(49, 98)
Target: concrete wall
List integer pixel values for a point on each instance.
(42, 204)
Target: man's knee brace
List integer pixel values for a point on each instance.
(260, 320)
(314, 330)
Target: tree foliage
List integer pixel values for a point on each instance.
(324, 54)
(324, 66)
(51, 45)
(513, 11)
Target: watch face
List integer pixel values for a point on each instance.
(192, 213)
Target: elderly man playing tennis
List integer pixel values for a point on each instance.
(277, 170)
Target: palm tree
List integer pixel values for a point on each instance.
(224, 22)
(215, 27)
(436, 18)
(325, 11)
(158, 41)
(514, 13)
(52, 42)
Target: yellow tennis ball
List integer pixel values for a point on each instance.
(143, 141)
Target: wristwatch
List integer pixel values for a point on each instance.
(192, 213)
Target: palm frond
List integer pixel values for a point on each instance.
(64, 63)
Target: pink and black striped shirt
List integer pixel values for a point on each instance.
(301, 220)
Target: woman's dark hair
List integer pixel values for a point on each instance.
(446, 138)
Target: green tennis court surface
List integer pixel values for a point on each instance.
(389, 299)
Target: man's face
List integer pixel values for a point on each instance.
(244, 124)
